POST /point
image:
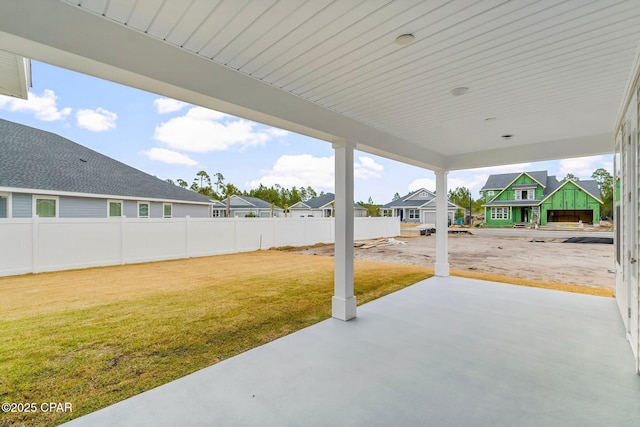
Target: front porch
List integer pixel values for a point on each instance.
(446, 351)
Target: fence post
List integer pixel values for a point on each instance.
(123, 224)
(186, 236)
(35, 243)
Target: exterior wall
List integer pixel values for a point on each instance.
(82, 207)
(88, 207)
(181, 210)
(489, 222)
(570, 197)
(48, 244)
(156, 210)
(509, 193)
(130, 208)
(22, 205)
(627, 216)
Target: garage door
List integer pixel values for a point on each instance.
(570, 216)
(428, 218)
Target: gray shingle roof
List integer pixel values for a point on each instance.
(402, 202)
(36, 159)
(500, 181)
(591, 187)
(320, 201)
(258, 203)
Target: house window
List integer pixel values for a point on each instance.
(115, 208)
(491, 193)
(215, 213)
(45, 206)
(500, 213)
(5, 205)
(525, 194)
(423, 194)
(168, 210)
(143, 210)
(414, 214)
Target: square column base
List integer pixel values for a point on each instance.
(343, 309)
(442, 269)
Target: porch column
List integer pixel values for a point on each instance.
(343, 303)
(442, 207)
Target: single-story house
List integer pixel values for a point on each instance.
(46, 175)
(322, 206)
(418, 206)
(537, 198)
(245, 206)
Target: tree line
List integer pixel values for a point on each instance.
(217, 188)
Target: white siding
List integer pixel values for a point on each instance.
(22, 205)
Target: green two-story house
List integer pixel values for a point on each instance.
(530, 198)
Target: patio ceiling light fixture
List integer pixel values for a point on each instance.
(405, 39)
(459, 91)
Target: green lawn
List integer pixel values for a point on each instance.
(94, 337)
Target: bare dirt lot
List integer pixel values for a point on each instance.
(545, 259)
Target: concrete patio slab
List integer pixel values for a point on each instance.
(444, 352)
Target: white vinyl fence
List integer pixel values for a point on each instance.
(38, 245)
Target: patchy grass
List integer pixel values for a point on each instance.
(97, 336)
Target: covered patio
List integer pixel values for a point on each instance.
(444, 352)
(443, 85)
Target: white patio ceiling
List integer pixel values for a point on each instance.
(15, 75)
(551, 73)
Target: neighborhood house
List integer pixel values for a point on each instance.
(322, 207)
(534, 198)
(48, 176)
(245, 206)
(419, 207)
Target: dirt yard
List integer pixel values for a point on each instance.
(540, 259)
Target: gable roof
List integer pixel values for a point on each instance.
(408, 201)
(320, 202)
(588, 186)
(251, 201)
(552, 185)
(38, 160)
(503, 180)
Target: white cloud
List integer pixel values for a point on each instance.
(98, 120)
(277, 133)
(201, 130)
(168, 105)
(582, 167)
(169, 156)
(44, 106)
(301, 171)
(318, 172)
(366, 168)
(427, 183)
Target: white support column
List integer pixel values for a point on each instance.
(442, 226)
(343, 302)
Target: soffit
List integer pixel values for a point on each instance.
(552, 73)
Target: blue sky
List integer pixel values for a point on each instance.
(171, 139)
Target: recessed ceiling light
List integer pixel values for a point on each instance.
(459, 91)
(405, 39)
(507, 137)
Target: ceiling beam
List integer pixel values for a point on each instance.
(591, 145)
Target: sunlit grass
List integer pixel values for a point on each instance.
(94, 337)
